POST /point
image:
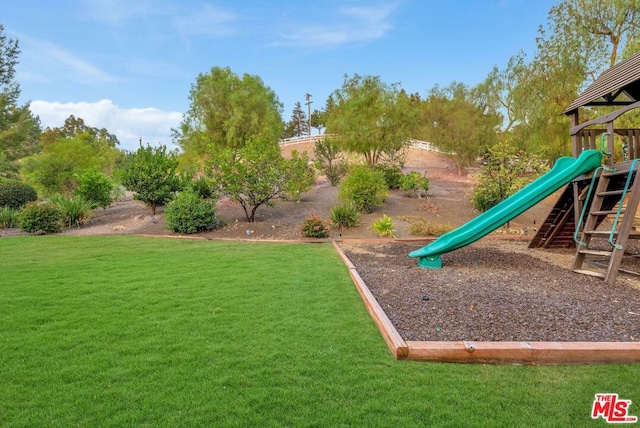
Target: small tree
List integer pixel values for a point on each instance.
(505, 172)
(300, 176)
(253, 175)
(150, 172)
(328, 159)
(96, 188)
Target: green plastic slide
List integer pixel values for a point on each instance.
(564, 170)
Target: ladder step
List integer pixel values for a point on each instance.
(590, 273)
(611, 193)
(606, 234)
(606, 212)
(595, 252)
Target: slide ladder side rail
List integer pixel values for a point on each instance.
(612, 250)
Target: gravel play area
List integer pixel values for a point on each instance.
(497, 290)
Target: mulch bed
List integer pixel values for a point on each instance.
(488, 293)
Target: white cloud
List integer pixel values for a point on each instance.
(129, 125)
(355, 24)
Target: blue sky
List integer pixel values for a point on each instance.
(129, 65)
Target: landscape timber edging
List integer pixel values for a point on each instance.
(527, 353)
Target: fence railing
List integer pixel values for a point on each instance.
(418, 144)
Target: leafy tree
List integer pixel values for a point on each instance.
(74, 127)
(370, 117)
(459, 123)
(300, 176)
(226, 111)
(57, 168)
(96, 188)
(19, 129)
(253, 175)
(318, 119)
(329, 159)
(150, 172)
(506, 171)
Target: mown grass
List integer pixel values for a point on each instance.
(128, 331)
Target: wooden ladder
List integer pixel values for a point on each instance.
(622, 186)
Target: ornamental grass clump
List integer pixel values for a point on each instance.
(314, 227)
(384, 227)
(345, 215)
(73, 211)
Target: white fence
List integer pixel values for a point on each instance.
(422, 145)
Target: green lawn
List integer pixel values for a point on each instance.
(128, 331)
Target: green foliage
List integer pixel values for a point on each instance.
(300, 176)
(414, 184)
(15, 193)
(96, 188)
(384, 226)
(8, 218)
(365, 187)
(329, 159)
(226, 111)
(40, 217)
(345, 215)
(506, 171)
(189, 213)
(392, 174)
(150, 172)
(253, 175)
(74, 127)
(314, 227)
(19, 128)
(204, 188)
(56, 170)
(73, 211)
(420, 226)
(370, 117)
(458, 120)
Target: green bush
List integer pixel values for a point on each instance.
(188, 213)
(345, 215)
(8, 218)
(384, 226)
(204, 188)
(96, 188)
(15, 193)
(420, 226)
(414, 184)
(392, 175)
(40, 217)
(314, 227)
(73, 211)
(365, 187)
(486, 195)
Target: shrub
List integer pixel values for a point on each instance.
(39, 217)
(419, 226)
(96, 188)
(314, 227)
(328, 159)
(8, 218)
(414, 184)
(392, 175)
(14, 193)
(73, 211)
(345, 215)
(188, 213)
(300, 176)
(384, 226)
(365, 187)
(204, 188)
